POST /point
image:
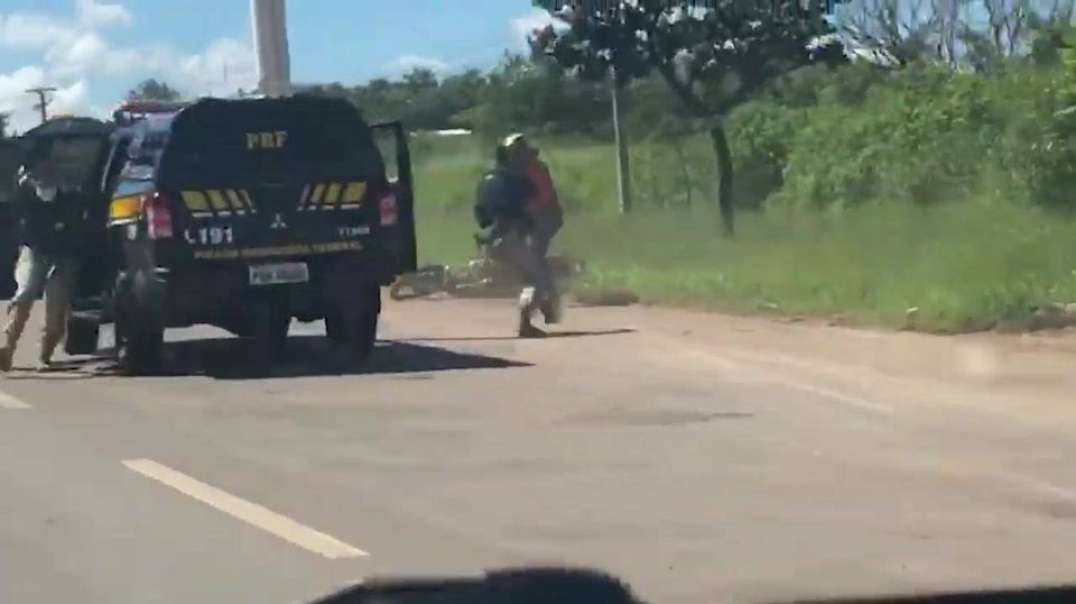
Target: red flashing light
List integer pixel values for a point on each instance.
(158, 216)
(389, 210)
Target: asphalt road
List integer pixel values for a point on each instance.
(700, 458)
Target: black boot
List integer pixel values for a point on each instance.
(552, 310)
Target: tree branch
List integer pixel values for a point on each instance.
(668, 71)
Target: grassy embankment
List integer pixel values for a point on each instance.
(961, 266)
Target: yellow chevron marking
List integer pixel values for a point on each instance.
(354, 192)
(332, 196)
(195, 201)
(217, 200)
(315, 197)
(250, 202)
(237, 203)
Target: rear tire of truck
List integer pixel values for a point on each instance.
(366, 336)
(268, 330)
(139, 348)
(356, 337)
(139, 324)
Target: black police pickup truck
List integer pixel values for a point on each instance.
(245, 214)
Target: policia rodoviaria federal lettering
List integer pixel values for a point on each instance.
(48, 217)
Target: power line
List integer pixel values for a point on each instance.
(43, 100)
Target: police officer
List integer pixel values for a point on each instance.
(545, 211)
(47, 216)
(501, 203)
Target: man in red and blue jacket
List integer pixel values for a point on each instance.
(544, 210)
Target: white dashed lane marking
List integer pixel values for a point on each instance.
(251, 513)
(11, 403)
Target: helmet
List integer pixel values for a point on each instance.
(517, 142)
(514, 139)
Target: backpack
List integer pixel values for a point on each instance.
(501, 199)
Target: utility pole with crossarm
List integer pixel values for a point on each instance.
(43, 100)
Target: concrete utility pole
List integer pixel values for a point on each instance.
(623, 166)
(269, 23)
(43, 100)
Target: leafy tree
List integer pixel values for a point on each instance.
(420, 79)
(517, 94)
(1053, 156)
(979, 34)
(463, 91)
(436, 106)
(153, 90)
(907, 28)
(712, 55)
(524, 94)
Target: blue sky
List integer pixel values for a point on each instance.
(95, 50)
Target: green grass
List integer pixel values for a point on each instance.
(963, 265)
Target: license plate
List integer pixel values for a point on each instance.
(277, 274)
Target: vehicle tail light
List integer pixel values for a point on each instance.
(389, 210)
(158, 216)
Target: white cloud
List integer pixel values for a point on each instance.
(524, 26)
(31, 31)
(72, 99)
(76, 54)
(405, 63)
(99, 14)
(14, 100)
(225, 66)
(73, 50)
(13, 86)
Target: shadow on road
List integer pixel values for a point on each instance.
(66, 370)
(550, 335)
(306, 356)
(312, 356)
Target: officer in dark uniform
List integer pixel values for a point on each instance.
(48, 221)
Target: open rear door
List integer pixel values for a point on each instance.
(391, 139)
(79, 147)
(9, 166)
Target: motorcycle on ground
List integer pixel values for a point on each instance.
(482, 277)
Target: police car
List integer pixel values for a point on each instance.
(246, 214)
